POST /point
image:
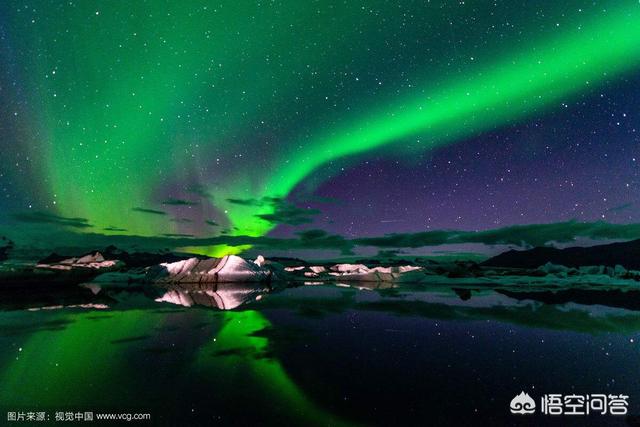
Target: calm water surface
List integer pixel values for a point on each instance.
(317, 355)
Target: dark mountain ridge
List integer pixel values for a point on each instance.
(626, 254)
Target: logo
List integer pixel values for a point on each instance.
(522, 404)
(572, 404)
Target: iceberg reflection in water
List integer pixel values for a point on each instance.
(428, 353)
(223, 296)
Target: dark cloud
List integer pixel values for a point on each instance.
(47, 218)
(518, 235)
(544, 234)
(91, 241)
(312, 234)
(200, 190)
(313, 198)
(289, 215)
(182, 220)
(179, 202)
(388, 253)
(245, 202)
(522, 235)
(320, 239)
(212, 223)
(114, 229)
(283, 211)
(286, 213)
(264, 201)
(603, 230)
(149, 211)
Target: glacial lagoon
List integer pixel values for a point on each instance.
(331, 354)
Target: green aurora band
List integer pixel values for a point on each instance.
(121, 100)
(507, 91)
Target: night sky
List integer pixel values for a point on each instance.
(238, 120)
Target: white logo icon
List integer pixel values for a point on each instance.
(522, 404)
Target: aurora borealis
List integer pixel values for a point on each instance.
(373, 157)
(199, 119)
